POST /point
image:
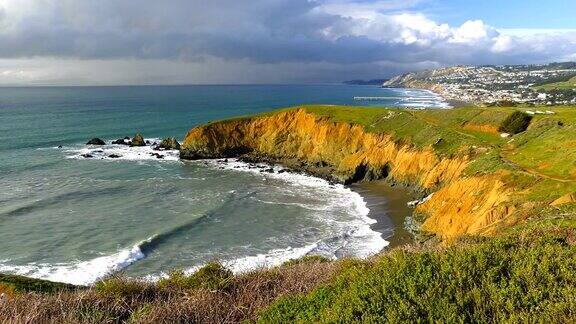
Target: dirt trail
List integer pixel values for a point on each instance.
(513, 165)
(532, 172)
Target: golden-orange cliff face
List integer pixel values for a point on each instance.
(459, 206)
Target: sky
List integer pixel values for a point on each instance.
(116, 42)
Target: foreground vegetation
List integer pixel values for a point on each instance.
(213, 295)
(523, 272)
(519, 278)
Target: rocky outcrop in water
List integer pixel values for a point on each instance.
(138, 140)
(96, 141)
(169, 143)
(123, 141)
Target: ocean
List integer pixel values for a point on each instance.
(68, 218)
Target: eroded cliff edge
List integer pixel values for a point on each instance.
(460, 204)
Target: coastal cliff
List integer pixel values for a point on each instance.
(413, 81)
(347, 153)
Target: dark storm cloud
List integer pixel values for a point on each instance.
(158, 29)
(343, 34)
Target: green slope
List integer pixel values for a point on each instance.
(566, 85)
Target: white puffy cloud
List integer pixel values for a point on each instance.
(351, 37)
(503, 43)
(473, 32)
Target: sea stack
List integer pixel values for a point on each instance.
(169, 143)
(138, 140)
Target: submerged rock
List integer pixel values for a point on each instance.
(114, 156)
(87, 156)
(122, 141)
(96, 141)
(169, 143)
(157, 155)
(138, 140)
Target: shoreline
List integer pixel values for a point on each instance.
(387, 202)
(388, 206)
(454, 103)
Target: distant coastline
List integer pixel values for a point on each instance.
(435, 88)
(376, 82)
(550, 84)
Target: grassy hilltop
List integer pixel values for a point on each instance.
(523, 269)
(565, 85)
(542, 158)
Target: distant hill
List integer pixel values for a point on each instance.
(494, 83)
(366, 82)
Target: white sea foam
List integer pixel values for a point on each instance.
(121, 152)
(245, 264)
(81, 272)
(420, 98)
(353, 238)
(356, 237)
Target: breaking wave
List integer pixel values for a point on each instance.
(352, 236)
(122, 152)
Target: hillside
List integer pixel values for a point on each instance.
(489, 85)
(497, 233)
(563, 85)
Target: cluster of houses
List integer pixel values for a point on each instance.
(491, 84)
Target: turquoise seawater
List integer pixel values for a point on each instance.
(73, 219)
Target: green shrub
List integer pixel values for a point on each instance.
(531, 278)
(121, 287)
(23, 284)
(212, 276)
(515, 123)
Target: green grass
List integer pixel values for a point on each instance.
(525, 277)
(546, 149)
(570, 84)
(23, 284)
(549, 145)
(441, 129)
(444, 130)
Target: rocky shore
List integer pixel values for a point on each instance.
(155, 148)
(345, 153)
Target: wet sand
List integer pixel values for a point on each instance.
(388, 206)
